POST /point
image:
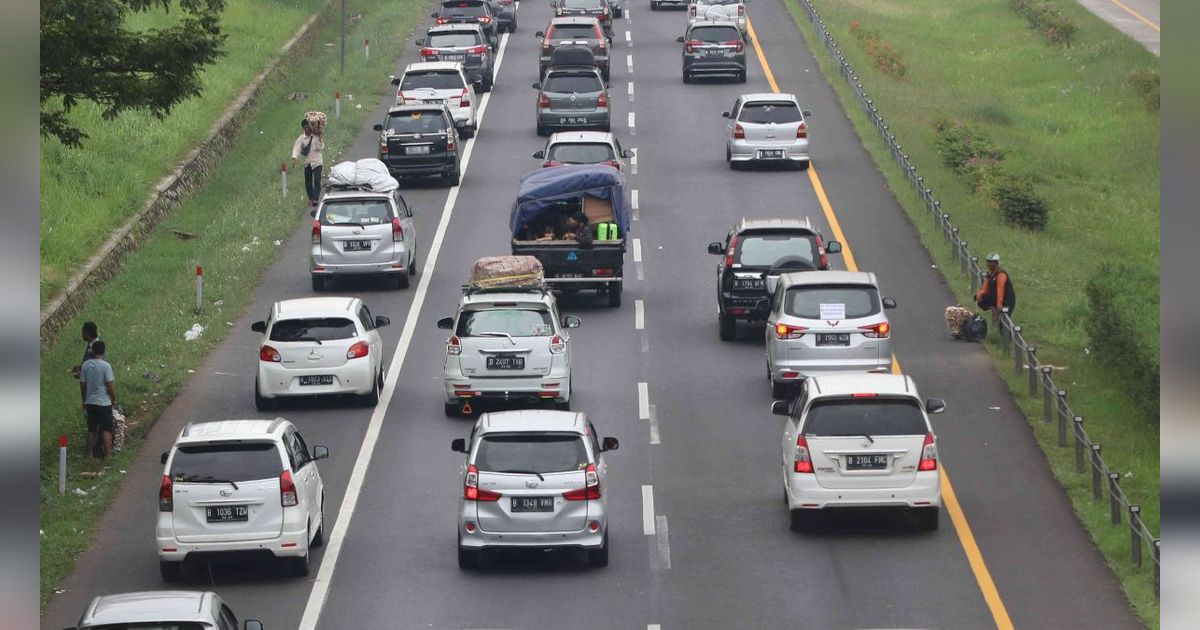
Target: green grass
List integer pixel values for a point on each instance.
(144, 311)
(87, 193)
(1069, 119)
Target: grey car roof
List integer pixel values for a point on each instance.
(223, 429)
(455, 26)
(562, 137)
(534, 420)
(573, 19)
(768, 96)
(700, 23)
(150, 606)
(828, 277)
(746, 223)
(400, 109)
(533, 295)
(847, 384)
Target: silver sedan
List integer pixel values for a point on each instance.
(766, 128)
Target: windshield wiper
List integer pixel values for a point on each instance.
(305, 339)
(208, 479)
(869, 438)
(495, 334)
(524, 472)
(357, 225)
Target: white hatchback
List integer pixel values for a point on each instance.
(319, 346)
(240, 487)
(429, 82)
(860, 441)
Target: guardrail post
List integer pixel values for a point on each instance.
(1096, 472)
(1031, 357)
(1157, 563)
(1047, 415)
(1018, 358)
(1135, 536)
(1062, 417)
(1005, 332)
(974, 276)
(1114, 503)
(962, 257)
(1078, 444)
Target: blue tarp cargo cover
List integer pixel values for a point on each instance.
(542, 188)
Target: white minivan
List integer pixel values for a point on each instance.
(437, 82)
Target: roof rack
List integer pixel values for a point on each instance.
(330, 186)
(471, 289)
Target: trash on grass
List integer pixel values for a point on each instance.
(193, 333)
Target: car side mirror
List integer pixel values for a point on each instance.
(320, 452)
(259, 327)
(419, 42)
(833, 247)
(312, 213)
(679, 39)
(609, 444)
(539, 155)
(395, 81)
(378, 127)
(725, 114)
(807, 113)
(781, 407)
(571, 321)
(935, 405)
(716, 249)
(458, 445)
(889, 303)
(478, 83)
(537, 86)
(539, 35)
(162, 459)
(627, 153)
(382, 320)
(252, 624)
(446, 323)
(433, 15)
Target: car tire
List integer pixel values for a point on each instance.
(734, 165)
(606, 75)
(488, 83)
(599, 557)
(927, 518)
(653, 5)
(741, 77)
(170, 571)
(318, 283)
(451, 410)
(541, 130)
(372, 399)
(802, 520)
(781, 391)
(401, 281)
(455, 177)
(805, 164)
(728, 326)
(467, 558)
(318, 538)
(614, 295)
(687, 78)
(413, 270)
(563, 405)
(262, 403)
(298, 566)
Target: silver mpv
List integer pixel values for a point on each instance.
(767, 128)
(824, 322)
(359, 232)
(533, 479)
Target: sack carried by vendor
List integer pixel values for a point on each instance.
(956, 318)
(316, 121)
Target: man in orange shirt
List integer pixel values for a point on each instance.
(997, 291)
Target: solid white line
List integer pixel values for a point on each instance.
(643, 401)
(629, 62)
(637, 250)
(654, 437)
(333, 545)
(664, 543)
(639, 315)
(648, 510)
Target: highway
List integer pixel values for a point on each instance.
(699, 531)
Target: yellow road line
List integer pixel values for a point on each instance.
(962, 528)
(1137, 15)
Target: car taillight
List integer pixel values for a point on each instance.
(477, 50)
(483, 19)
(400, 95)
(802, 130)
(464, 100)
(397, 230)
(730, 250)
(600, 37)
(821, 249)
(287, 490)
(543, 100)
(692, 10)
(546, 44)
(877, 331)
(453, 346)
(928, 454)
(803, 462)
(316, 231)
(557, 345)
(590, 491)
(166, 502)
(358, 350)
(383, 147)
(602, 101)
(471, 489)
(442, 20)
(550, 163)
(268, 354)
(741, 10)
(691, 45)
(558, 11)
(739, 132)
(449, 143)
(615, 164)
(428, 52)
(788, 331)
(736, 43)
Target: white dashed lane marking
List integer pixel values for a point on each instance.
(637, 250)
(643, 401)
(629, 62)
(639, 315)
(648, 510)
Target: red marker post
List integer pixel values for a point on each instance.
(199, 287)
(62, 464)
(337, 105)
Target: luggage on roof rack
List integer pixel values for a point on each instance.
(506, 272)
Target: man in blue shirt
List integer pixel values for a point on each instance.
(96, 389)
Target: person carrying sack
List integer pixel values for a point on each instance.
(311, 146)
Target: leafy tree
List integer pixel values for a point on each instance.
(88, 53)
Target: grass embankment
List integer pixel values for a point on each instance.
(236, 217)
(88, 193)
(1070, 122)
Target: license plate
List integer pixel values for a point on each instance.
(319, 379)
(572, 120)
(417, 150)
(716, 52)
(431, 101)
(356, 246)
(570, 275)
(770, 154)
(833, 339)
(458, 57)
(533, 504)
(747, 283)
(866, 462)
(505, 362)
(226, 513)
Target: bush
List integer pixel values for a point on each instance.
(881, 53)
(1146, 83)
(981, 172)
(1116, 328)
(1046, 18)
(960, 143)
(1018, 203)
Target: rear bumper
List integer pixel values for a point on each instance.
(726, 65)
(575, 119)
(784, 371)
(743, 307)
(297, 542)
(552, 387)
(581, 539)
(423, 165)
(398, 264)
(743, 151)
(804, 493)
(355, 377)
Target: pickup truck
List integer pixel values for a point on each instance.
(598, 191)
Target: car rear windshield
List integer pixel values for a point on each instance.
(364, 212)
(591, 153)
(471, 9)
(796, 251)
(583, 4)
(432, 121)
(241, 461)
(458, 39)
(573, 31)
(723, 2)
(777, 112)
(717, 34)
(447, 80)
(318, 328)
(806, 301)
(573, 83)
(513, 322)
(157, 625)
(864, 416)
(529, 453)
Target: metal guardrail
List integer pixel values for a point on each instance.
(1012, 338)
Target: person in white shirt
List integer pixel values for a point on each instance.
(311, 147)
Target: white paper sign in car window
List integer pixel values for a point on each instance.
(833, 311)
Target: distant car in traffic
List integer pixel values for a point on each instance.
(436, 82)
(657, 4)
(574, 31)
(826, 321)
(166, 610)
(318, 347)
(599, 9)
(464, 43)
(713, 48)
(572, 97)
(860, 441)
(247, 488)
(470, 11)
(359, 233)
(731, 10)
(505, 12)
(533, 479)
(766, 128)
(419, 140)
(583, 147)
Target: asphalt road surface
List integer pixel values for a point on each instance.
(700, 535)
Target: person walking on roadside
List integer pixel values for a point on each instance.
(311, 147)
(997, 291)
(96, 390)
(91, 335)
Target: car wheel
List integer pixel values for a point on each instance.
(170, 571)
(781, 391)
(318, 283)
(599, 557)
(467, 558)
(488, 82)
(319, 538)
(563, 406)
(741, 77)
(927, 518)
(804, 165)
(262, 403)
(687, 78)
(728, 325)
(614, 295)
(412, 265)
(451, 410)
(734, 165)
(298, 566)
(401, 281)
(372, 399)
(802, 520)
(455, 177)
(606, 75)
(541, 130)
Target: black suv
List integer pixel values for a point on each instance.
(754, 254)
(458, 11)
(420, 140)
